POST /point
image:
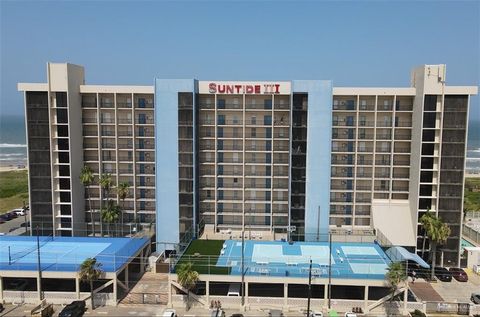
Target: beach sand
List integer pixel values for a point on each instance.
(12, 167)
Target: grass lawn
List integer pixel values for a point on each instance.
(13, 190)
(472, 194)
(209, 251)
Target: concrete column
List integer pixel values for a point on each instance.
(170, 304)
(246, 294)
(126, 277)
(405, 299)
(77, 287)
(39, 292)
(207, 292)
(115, 291)
(1, 289)
(285, 296)
(365, 309)
(325, 296)
(142, 262)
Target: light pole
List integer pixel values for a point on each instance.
(309, 288)
(24, 208)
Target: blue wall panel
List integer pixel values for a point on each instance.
(166, 157)
(319, 130)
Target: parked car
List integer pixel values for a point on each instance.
(458, 274)
(170, 313)
(6, 217)
(475, 298)
(19, 212)
(236, 315)
(275, 313)
(443, 274)
(74, 309)
(350, 315)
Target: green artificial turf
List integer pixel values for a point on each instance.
(209, 251)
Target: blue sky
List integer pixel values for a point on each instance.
(372, 43)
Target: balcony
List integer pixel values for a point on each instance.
(125, 121)
(403, 124)
(90, 132)
(123, 104)
(89, 119)
(108, 145)
(386, 123)
(340, 123)
(365, 123)
(107, 120)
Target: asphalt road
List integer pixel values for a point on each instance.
(15, 223)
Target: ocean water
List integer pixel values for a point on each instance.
(473, 148)
(13, 148)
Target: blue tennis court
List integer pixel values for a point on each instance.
(277, 258)
(66, 253)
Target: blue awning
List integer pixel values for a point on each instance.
(401, 254)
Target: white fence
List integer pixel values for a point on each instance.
(25, 297)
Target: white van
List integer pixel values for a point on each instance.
(234, 289)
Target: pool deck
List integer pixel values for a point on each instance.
(283, 259)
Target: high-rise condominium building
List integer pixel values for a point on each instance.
(214, 158)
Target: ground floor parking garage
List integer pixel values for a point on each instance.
(32, 270)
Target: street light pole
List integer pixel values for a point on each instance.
(309, 288)
(24, 208)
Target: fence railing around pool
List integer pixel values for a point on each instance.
(471, 233)
(367, 267)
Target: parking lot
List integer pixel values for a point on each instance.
(15, 226)
(460, 292)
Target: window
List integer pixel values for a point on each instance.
(141, 102)
(267, 104)
(267, 120)
(253, 132)
(254, 120)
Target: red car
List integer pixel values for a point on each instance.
(458, 274)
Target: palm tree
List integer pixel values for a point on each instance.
(90, 271)
(122, 192)
(110, 214)
(86, 178)
(106, 184)
(187, 277)
(426, 221)
(437, 233)
(395, 275)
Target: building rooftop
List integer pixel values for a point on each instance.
(65, 254)
(284, 259)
